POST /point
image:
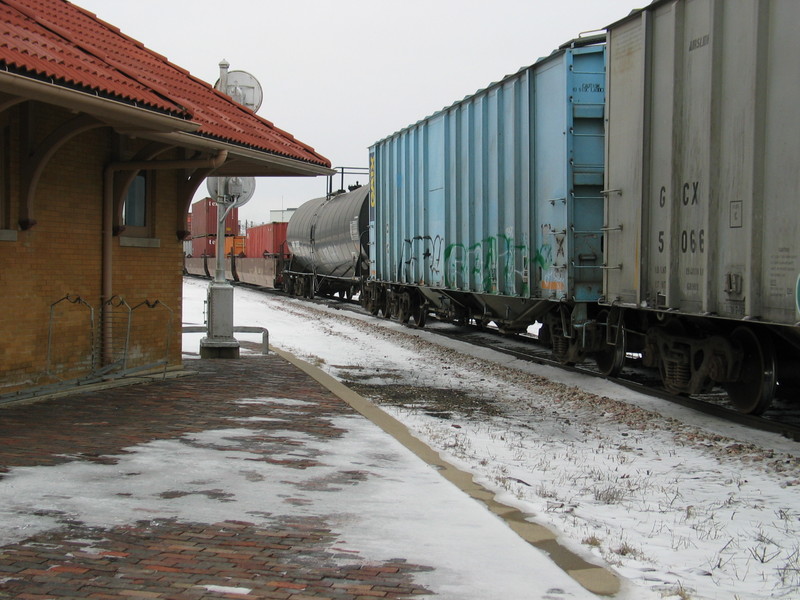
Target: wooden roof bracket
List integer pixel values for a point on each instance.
(34, 160)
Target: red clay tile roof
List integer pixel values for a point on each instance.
(59, 42)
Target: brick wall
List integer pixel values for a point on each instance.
(62, 255)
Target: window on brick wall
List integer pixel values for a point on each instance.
(5, 177)
(137, 209)
(134, 213)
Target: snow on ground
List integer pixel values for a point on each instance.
(681, 504)
(212, 476)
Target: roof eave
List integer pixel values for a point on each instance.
(246, 162)
(115, 113)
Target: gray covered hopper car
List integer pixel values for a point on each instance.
(702, 181)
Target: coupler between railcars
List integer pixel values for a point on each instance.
(576, 332)
(299, 284)
(309, 285)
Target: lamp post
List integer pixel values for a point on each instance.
(228, 193)
(220, 343)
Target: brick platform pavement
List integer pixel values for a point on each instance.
(274, 556)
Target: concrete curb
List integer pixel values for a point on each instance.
(596, 579)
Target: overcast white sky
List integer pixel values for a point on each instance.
(340, 75)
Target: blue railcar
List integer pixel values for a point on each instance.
(495, 208)
(491, 209)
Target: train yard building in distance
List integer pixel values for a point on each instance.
(103, 144)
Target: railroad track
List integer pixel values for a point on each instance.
(782, 418)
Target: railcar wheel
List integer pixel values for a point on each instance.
(754, 390)
(372, 295)
(561, 349)
(387, 305)
(310, 288)
(404, 307)
(374, 306)
(420, 314)
(611, 358)
(565, 349)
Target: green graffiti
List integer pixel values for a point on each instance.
(496, 263)
(544, 257)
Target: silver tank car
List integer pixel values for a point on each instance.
(327, 238)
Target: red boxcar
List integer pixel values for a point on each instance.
(269, 238)
(204, 219)
(204, 246)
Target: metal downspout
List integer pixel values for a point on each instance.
(108, 222)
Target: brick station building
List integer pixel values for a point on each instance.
(103, 144)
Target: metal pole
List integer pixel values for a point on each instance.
(220, 343)
(222, 215)
(222, 86)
